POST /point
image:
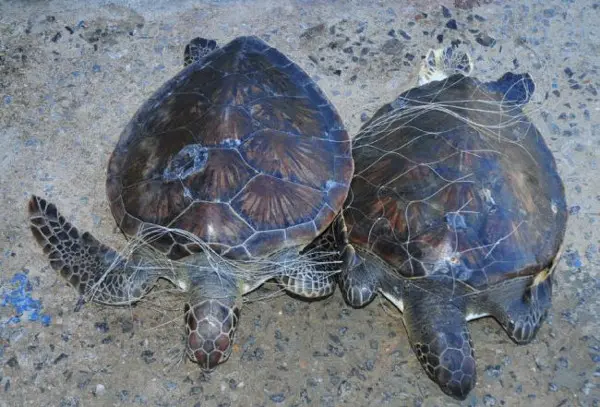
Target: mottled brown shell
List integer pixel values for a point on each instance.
(468, 189)
(242, 149)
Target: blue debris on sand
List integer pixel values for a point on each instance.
(18, 295)
(572, 259)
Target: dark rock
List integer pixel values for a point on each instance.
(60, 357)
(446, 12)
(485, 40)
(392, 46)
(13, 362)
(314, 31)
(451, 24)
(277, 398)
(148, 356)
(404, 35)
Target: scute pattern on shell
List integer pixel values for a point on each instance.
(237, 145)
(467, 189)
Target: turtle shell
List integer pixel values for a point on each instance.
(242, 149)
(452, 179)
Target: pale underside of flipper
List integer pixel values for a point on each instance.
(442, 63)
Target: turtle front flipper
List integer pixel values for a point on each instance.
(310, 274)
(359, 279)
(438, 333)
(360, 272)
(211, 315)
(308, 283)
(92, 268)
(197, 49)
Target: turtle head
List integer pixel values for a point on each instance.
(210, 326)
(211, 315)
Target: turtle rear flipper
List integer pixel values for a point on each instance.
(521, 305)
(92, 268)
(514, 88)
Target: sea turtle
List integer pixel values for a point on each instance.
(226, 177)
(455, 212)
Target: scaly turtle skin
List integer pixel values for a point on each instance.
(234, 168)
(456, 211)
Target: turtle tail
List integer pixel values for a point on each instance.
(92, 268)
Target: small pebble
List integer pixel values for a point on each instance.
(126, 326)
(494, 371)
(451, 24)
(591, 252)
(404, 35)
(148, 356)
(393, 46)
(277, 398)
(573, 259)
(489, 400)
(485, 40)
(60, 357)
(123, 395)
(289, 308)
(587, 387)
(100, 390)
(361, 27)
(562, 362)
(344, 388)
(13, 362)
(313, 32)
(446, 12)
(101, 327)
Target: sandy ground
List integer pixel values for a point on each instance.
(73, 73)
